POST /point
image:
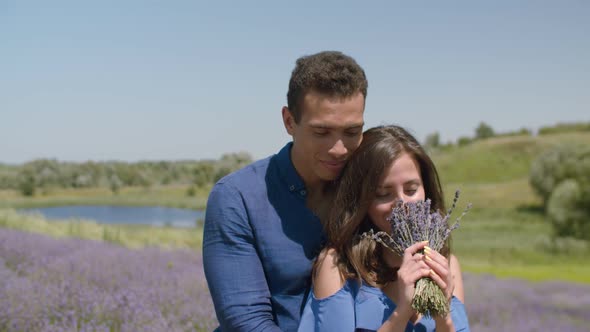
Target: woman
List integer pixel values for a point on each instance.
(358, 285)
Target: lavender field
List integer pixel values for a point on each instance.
(49, 284)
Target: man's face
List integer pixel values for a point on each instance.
(329, 130)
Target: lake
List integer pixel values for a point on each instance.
(136, 215)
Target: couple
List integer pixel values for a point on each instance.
(272, 223)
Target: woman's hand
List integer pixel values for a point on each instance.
(413, 267)
(441, 271)
(442, 275)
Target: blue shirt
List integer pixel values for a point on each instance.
(259, 242)
(365, 308)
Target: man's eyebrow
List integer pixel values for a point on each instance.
(346, 127)
(320, 126)
(356, 126)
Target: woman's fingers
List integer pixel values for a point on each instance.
(436, 256)
(441, 273)
(440, 282)
(413, 249)
(437, 262)
(414, 271)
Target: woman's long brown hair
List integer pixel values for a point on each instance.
(359, 257)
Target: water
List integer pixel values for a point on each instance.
(135, 215)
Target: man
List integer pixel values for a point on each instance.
(262, 224)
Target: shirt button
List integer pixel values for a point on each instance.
(303, 192)
(292, 188)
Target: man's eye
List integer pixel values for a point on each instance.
(321, 133)
(352, 133)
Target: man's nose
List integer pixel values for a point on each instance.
(338, 149)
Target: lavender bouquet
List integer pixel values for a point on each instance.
(415, 222)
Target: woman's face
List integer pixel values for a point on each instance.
(401, 181)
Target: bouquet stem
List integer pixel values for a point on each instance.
(429, 299)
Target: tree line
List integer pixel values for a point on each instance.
(484, 131)
(45, 174)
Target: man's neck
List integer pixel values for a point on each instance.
(319, 200)
(318, 197)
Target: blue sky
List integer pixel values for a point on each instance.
(136, 80)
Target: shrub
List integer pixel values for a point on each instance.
(191, 191)
(569, 210)
(464, 140)
(558, 164)
(561, 176)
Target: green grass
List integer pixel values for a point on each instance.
(132, 236)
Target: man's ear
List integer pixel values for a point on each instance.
(288, 120)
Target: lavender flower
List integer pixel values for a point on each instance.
(416, 222)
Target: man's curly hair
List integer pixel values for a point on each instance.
(330, 72)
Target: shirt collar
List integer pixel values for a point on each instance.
(287, 170)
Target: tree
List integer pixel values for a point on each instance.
(484, 131)
(203, 174)
(115, 183)
(27, 182)
(432, 141)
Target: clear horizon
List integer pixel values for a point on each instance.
(154, 81)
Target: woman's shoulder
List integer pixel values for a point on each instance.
(328, 279)
(459, 290)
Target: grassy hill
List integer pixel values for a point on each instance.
(498, 159)
(506, 232)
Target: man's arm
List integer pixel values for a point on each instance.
(232, 266)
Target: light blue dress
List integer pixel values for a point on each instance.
(365, 308)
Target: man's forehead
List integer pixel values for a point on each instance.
(314, 94)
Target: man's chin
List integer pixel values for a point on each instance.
(330, 175)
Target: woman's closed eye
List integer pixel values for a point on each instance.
(382, 194)
(410, 192)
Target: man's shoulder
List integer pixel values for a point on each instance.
(250, 177)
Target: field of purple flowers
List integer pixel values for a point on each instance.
(49, 284)
(517, 305)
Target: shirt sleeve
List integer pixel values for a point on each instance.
(459, 315)
(232, 266)
(333, 313)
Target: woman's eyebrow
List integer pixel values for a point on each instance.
(413, 181)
